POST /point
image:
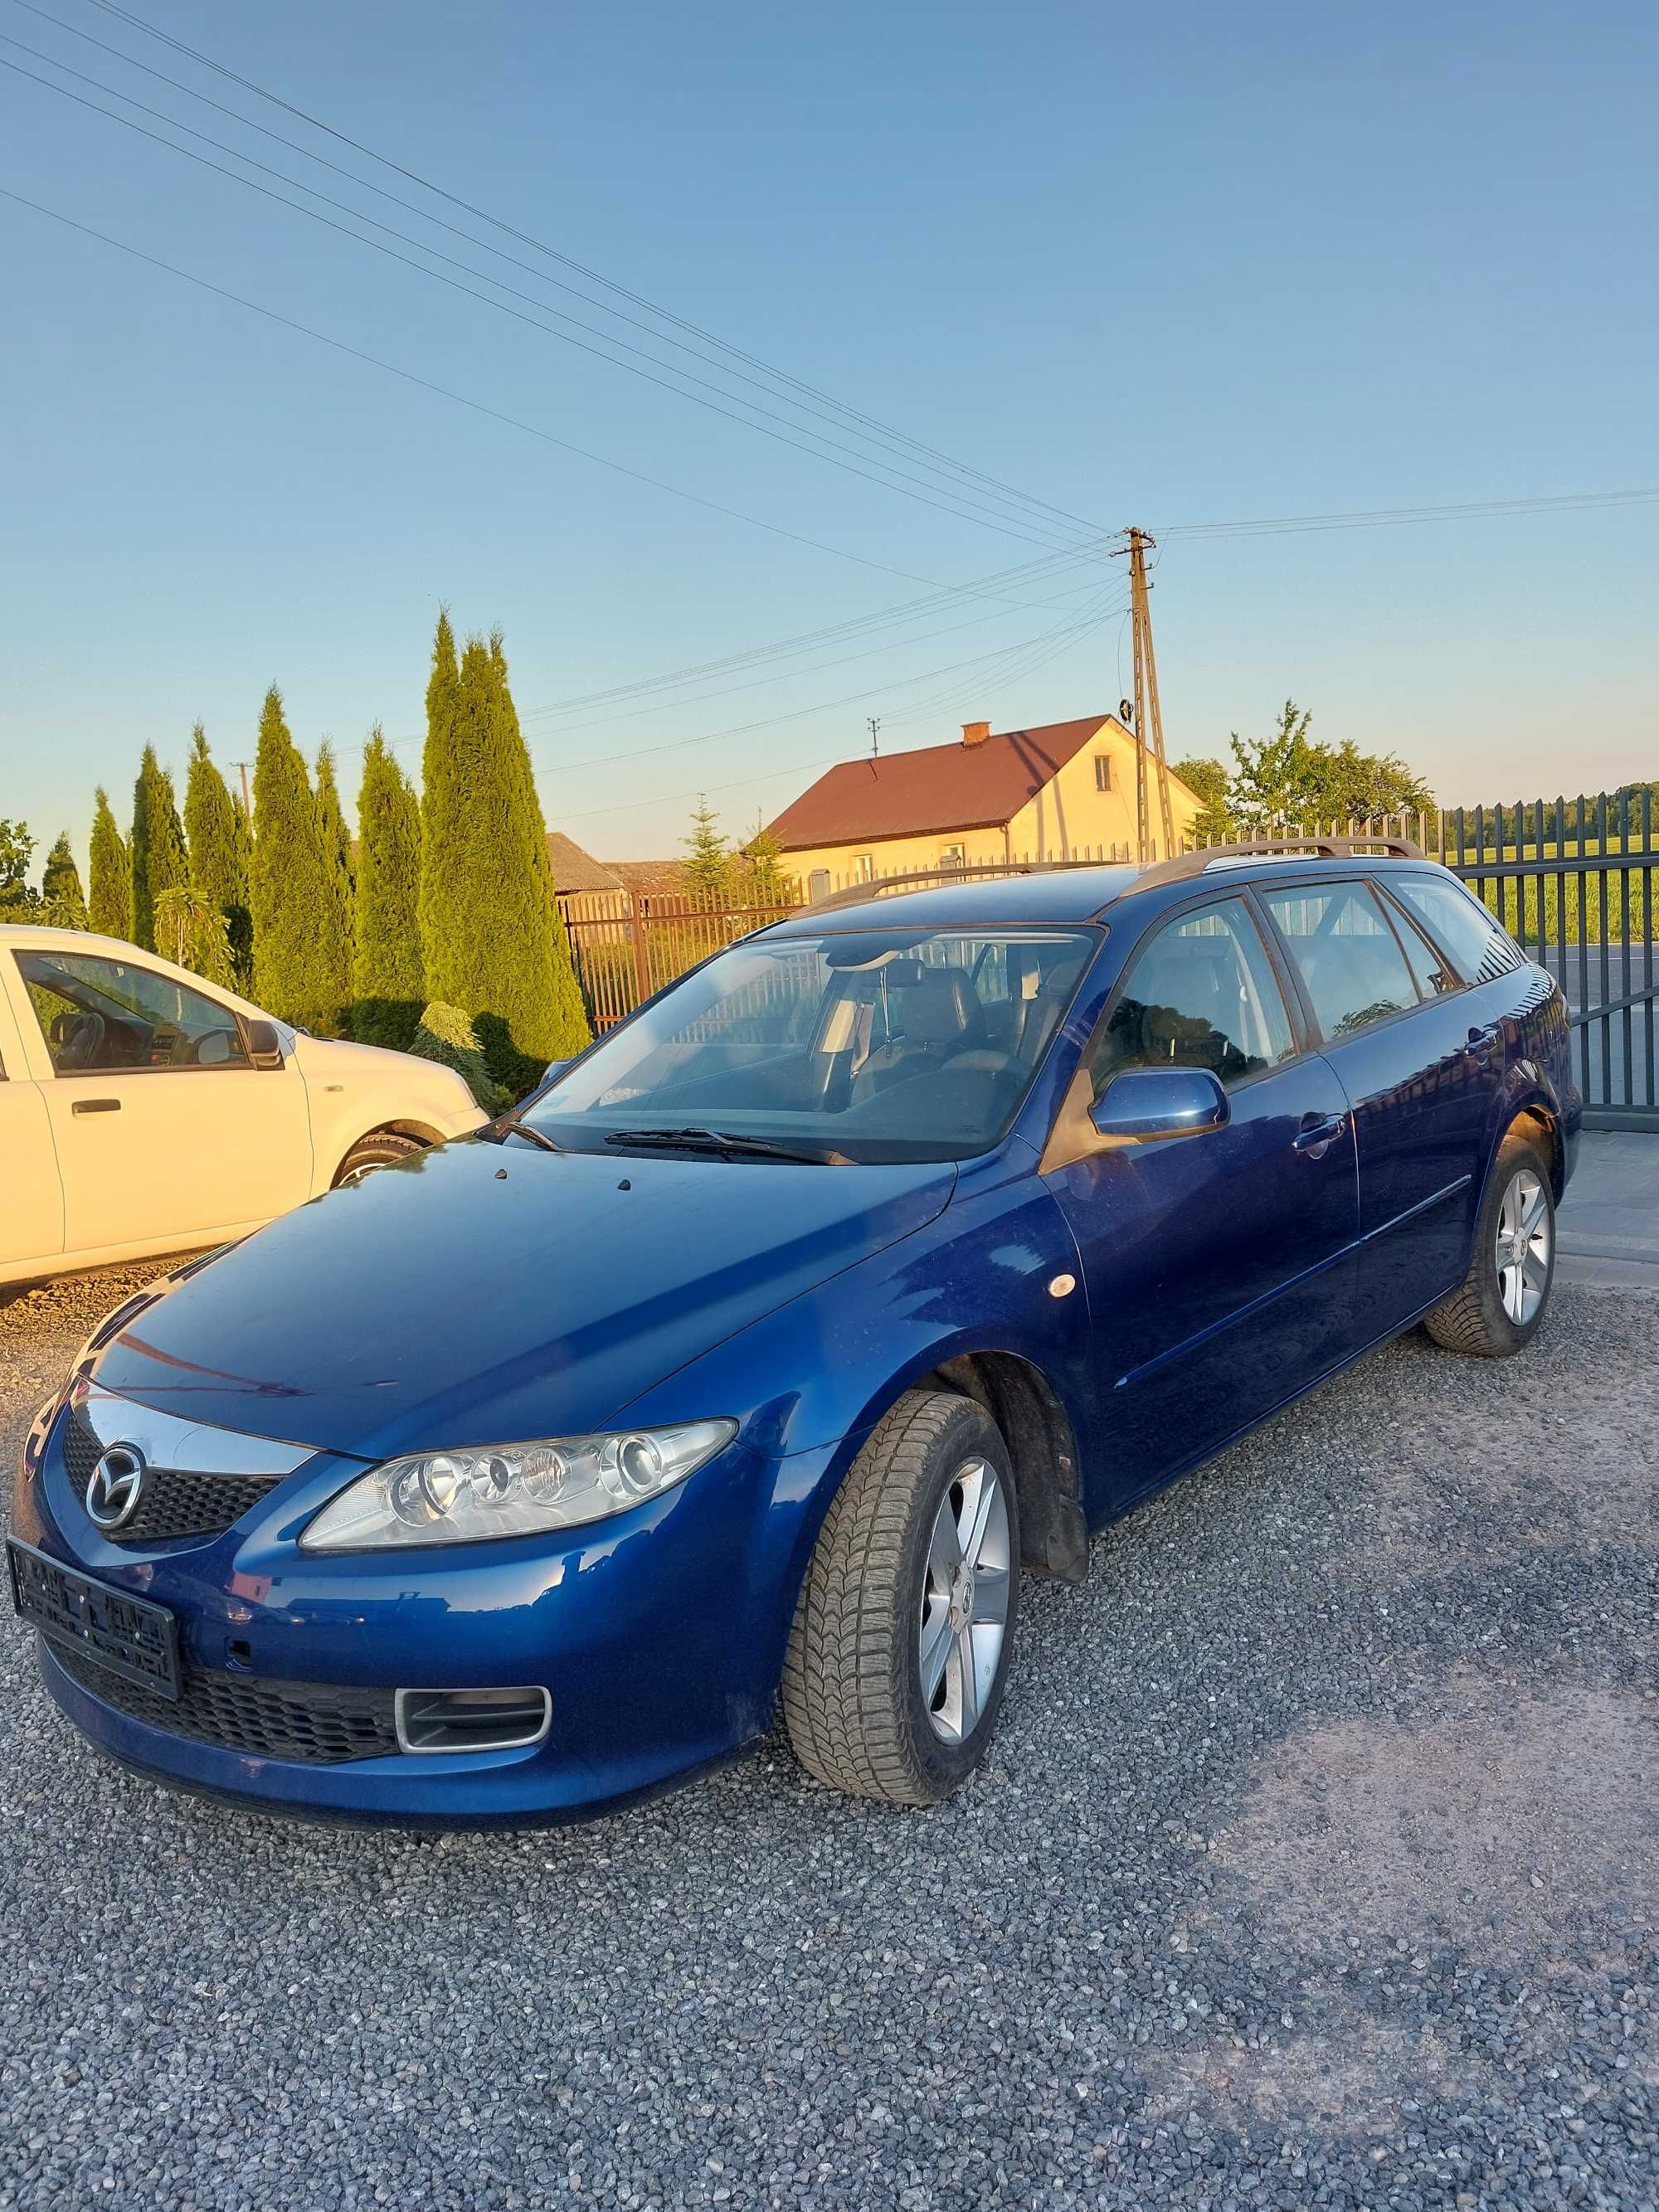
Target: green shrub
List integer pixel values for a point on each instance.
(445, 1035)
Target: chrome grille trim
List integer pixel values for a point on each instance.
(167, 1442)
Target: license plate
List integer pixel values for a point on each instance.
(130, 1636)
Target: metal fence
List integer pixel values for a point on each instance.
(1572, 881)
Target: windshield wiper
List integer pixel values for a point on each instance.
(731, 1142)
(498, 1132)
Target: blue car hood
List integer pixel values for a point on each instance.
(446, 1303)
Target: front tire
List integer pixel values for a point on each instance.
(903, 1633)
(1497, 1307)
(381, 1148)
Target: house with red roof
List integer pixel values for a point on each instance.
(1063, 791)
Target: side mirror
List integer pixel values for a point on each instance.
(264, 1044)
(1145, 1105)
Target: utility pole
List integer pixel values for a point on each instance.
(247, 802)
(872, 723)
(1149, 718)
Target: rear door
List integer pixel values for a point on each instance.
(1421, 1072)
(162, 1129)
(1219, 1267)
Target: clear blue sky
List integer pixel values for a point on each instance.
(1153, 265)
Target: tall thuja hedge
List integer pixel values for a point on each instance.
(109, 897)
(159, 860)
(388, 979)
(217, 837)
(338, 916)
(490, 933)
(294, 973)
(63, 902)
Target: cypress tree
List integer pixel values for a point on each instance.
(217, 839)
(109, 908)
(289, 885)
(490, 931)
(386, 976)
(62, 898)
(159, 860)
(338, 912)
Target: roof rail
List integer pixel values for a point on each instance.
(1312, 846)
(935, 879)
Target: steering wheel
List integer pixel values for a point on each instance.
(82, 1040)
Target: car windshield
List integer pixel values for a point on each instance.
(891, 1044)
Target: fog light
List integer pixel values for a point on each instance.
(471, 1720)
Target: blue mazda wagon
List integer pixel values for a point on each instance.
(874, 1264)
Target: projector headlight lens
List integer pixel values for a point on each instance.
(510, 1489)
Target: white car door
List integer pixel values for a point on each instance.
(31, 1190)
(163, 1129)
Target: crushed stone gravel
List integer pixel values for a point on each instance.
(1313, 1865)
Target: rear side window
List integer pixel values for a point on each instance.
(1434, 976)
(1201, 995)
(1347, 956)
(1481, 948)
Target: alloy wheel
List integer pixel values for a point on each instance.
(1524, 1235)
(964, 1620)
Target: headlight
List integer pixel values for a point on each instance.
(510, 1489)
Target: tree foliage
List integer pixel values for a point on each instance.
(492, 938)
(159, 859)
(338, 917)
(109, 903)
(296, 973)
(18, 897)
(1290, 779)
(1207, 780)
(768, 884)
(707, 867)
(192, 930)
(387, 973)
(217, 833)
(444, 1034)
(62, 902)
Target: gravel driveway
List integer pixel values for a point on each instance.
(1315, 1864)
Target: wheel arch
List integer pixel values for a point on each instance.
(1034, 1424)
(404, 1126)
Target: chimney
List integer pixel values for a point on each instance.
(975, 733)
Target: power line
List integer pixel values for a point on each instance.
(1379, 518)
(461, 399)
(871, 423)
(800, 713)
(1037, 509)
(987, 520)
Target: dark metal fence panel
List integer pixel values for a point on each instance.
(1573, 882)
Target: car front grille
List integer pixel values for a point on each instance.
(315, 1724)
(174, 1501)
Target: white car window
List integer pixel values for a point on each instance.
(103, 1016)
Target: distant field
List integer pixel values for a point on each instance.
(1614, 909)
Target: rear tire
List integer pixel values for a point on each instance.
(1497, 1307)
(381, 1148)
(903, 1635)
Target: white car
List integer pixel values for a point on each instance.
(144, 1110)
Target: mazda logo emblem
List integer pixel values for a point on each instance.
(117, 1484)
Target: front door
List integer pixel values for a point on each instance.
(162, 1130)
(1217, 1266)
(31, 1192)
(1396, 1025)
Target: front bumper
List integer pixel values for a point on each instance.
(659, 1636)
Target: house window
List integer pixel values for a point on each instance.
(951, 856)
(1103, 771)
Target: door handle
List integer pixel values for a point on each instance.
(96, 1106)
(1481, 1042)
(1318, 1133)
